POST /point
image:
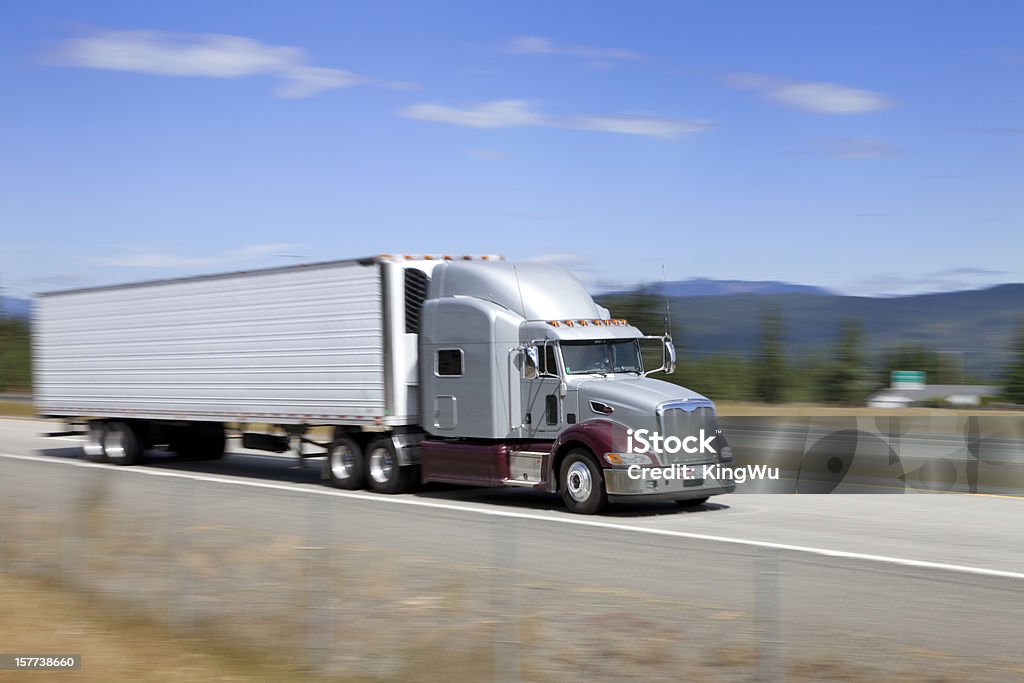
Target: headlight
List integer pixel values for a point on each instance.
(628, 459)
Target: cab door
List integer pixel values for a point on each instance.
(542, 404)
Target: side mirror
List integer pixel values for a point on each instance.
(531, 359)
(665, 349)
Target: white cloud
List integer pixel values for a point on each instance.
(651, 126)
(817, 98)
(205, 55)
(304, 81)
(536, 45)
(141, 258)
(510, 113)
(973, 271)
(500, 114)
(948, 280)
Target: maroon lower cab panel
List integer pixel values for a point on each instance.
(464, 463)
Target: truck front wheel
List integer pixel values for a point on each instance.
(582, 483)
(345, 464)
(121, 444)
(383, 473)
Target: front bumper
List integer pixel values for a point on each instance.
(624, 484)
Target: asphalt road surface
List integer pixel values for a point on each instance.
(929, 582)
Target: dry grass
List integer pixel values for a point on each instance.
(17, 408)
(118, 645)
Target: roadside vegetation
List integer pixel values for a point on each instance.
(844, 373)
(17, 409)
(15, 356)
(1015, 372)
(122, 644)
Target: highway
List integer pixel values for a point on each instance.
(928, 584)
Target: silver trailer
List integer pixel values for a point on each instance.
(469, 370)
(322, 343)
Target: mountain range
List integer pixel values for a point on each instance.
(700, 286)
(976, 327)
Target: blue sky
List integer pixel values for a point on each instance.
(869, 147)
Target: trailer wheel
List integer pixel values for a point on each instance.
(582, 483)
(93, 447)
(383, 473)
(207, 442)
(177, 440)
(121, 444)
(345, 464)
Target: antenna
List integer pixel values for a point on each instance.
(668, 306)
(522, 303)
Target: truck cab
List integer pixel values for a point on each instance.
(525, 381)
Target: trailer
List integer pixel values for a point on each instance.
(468, 370)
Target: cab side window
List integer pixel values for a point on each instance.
(449, 363)
(548, 364)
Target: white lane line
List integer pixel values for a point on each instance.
(382, 499)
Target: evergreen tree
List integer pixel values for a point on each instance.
(15, 355)
(770, 360)
(843, 380)
(1014, 381)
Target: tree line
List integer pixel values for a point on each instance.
(15, 355)
(846, 373)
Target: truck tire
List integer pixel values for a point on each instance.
(383, 473)
(207, 442)
(93, 447)
(121, 444)
(177, 441)
(345, 463)
(582, 483)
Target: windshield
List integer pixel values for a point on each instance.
(601, 356)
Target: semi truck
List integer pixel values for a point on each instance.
(396, 370)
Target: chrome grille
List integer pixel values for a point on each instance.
(687, 420)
